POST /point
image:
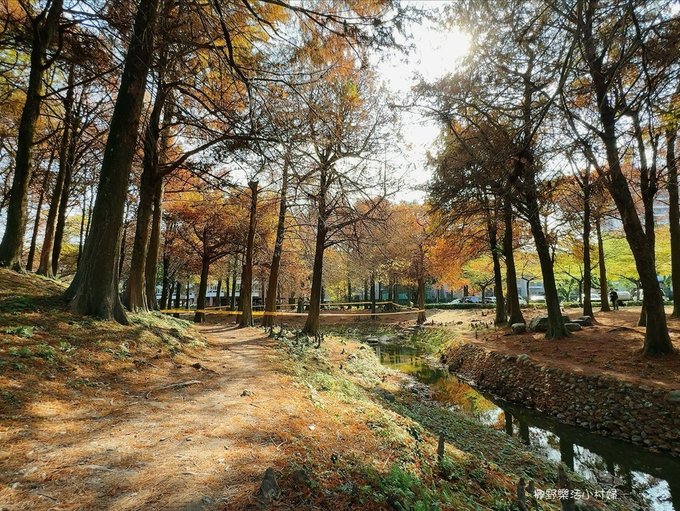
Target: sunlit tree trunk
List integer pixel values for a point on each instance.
(246, 294)
(38, 215)
(44, 29)
(657, 338)
(270, 305)
(45, 267)
(94, 290)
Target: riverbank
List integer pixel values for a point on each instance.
(644, 414)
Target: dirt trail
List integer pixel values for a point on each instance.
(203, 446)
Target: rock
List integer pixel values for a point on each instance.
(300, 479)
(523, 357)
(372, 340)
(584, 321)
(572, 327)
(268, 487)
(246, 393)
(539, 324)
(673, 396)
(518, 328)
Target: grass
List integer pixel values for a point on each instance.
(480, 468)
(41, 339)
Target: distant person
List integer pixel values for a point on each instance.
(614, 297)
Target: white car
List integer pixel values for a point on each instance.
(522, 301)
(537, 297)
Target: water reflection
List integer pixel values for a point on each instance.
(654, 477)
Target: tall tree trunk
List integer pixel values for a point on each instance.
(166, 290)
(420, 298)
(556, 328)
(270, 305)
(38, 214)
(657, 338)
(312, 324)
(199, 317)
(492, 231)
(218, 294)
(514, 310)
(604, 299)
(178, 297)
(234, 271)
(587, 276)
(246, 295)
(44, 27)
(94, 290)
(674, 217)
(135, 297)
(63, 207)
(45, 266)
(373, 305)
(153, 249)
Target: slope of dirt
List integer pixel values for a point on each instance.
(613, 346)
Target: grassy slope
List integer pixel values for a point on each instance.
(481, 466)
(46, 350)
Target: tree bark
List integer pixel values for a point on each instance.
(604, 298)
(270, 305)
(199, 317)
(246, 298)
(94, 290)
(44, 27)
(312, 324)
(674, 217)
(514, 310)
(587, 274)
(38, 215)
(218, 294)
(153, 249)
(492, 231)
(166, 290)
(556, 328)
(232, 300)
(372, 294)
(135, 297)
(45, 266)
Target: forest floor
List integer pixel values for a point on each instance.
(157, 415)
(612, 346)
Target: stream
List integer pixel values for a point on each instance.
(653, 478)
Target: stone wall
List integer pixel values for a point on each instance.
(643, 415)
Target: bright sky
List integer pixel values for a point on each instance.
(437, 52)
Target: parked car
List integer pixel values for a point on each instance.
(594, 296)
(473, 299)
(522, 301)
(537, 297)
(624, 295)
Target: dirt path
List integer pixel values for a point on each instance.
(202, 446)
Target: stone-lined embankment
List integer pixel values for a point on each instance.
(645, 415)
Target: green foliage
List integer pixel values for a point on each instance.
(45, 351)
(406, 492)
(23, 352)
(66, 347)
(18, 304)
(22, 331)
(9, 398)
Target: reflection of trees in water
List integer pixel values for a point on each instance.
(651, 492)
